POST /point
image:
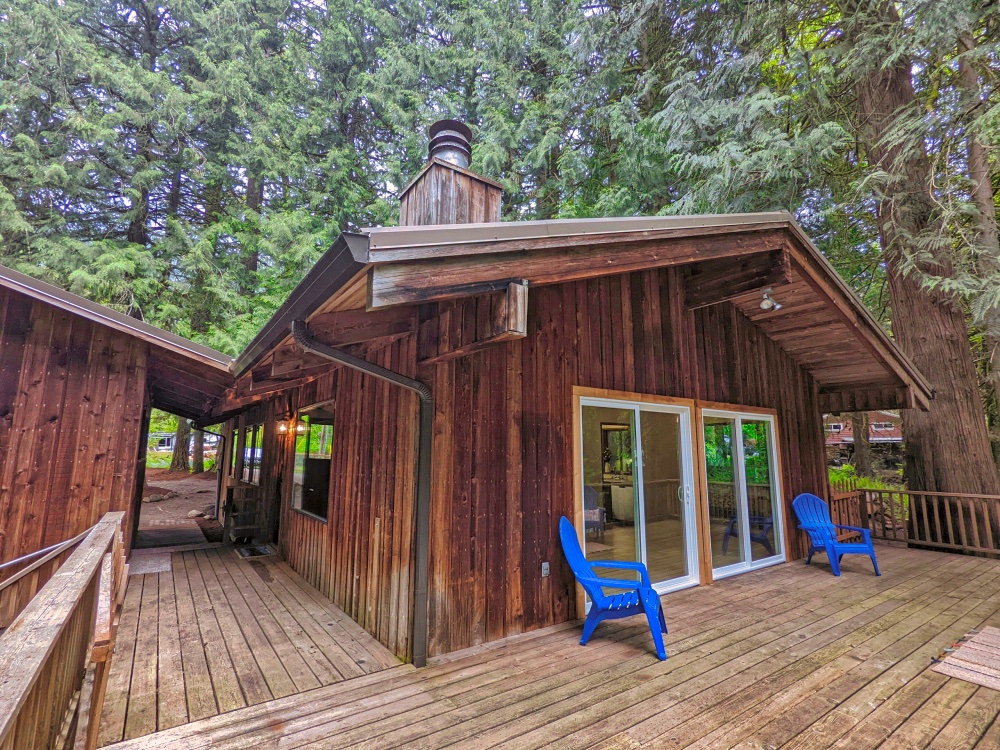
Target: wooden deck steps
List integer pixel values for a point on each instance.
(218, 633)
(784, 657)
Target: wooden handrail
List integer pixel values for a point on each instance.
(937, 494)
(45, 652)
(950, 521)
(54, 551)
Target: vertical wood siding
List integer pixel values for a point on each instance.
(361, 558)
(503, 437)
(502, 463)
(443, 195)
(72, 396)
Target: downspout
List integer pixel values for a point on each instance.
(300, 331)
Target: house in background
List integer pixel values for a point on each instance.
(885, 435)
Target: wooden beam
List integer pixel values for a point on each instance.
(414, 282)
(713, 281)
(354, 326)
(866, 399)
(510, 321)
(288, 361)
(341, 329)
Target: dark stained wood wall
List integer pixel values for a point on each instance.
(361, 558)
(502, 464)
(503, 438)
(72, 399)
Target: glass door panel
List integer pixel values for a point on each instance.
(757, 461)
(743, 491)
(609, 505)
(665, 516)
(638, 489)
(724, 507)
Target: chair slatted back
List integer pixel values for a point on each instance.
(814, 518)
(578, 563)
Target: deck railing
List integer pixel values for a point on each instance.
(21, 579)
(937, 520)
(55, 655)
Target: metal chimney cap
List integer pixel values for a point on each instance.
(451, 142)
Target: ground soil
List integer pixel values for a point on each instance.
(167, 521)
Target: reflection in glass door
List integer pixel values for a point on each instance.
(744, 514)
(638, 489)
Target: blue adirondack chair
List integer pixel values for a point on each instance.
(638, 598)
(814, 519)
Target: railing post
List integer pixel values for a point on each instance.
(863, 509)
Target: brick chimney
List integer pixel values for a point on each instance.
(445, 191)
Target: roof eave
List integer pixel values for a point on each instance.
(344, 259)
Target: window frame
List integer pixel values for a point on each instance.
(296, 499)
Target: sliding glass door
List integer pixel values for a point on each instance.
(744, 508)
(638, 488)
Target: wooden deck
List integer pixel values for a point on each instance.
(217, 633)
(787, 657)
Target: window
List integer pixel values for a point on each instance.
(253, 452)
(834, 427)
(882, 426)
(313, 458)
(638, 488)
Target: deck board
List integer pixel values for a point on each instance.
(218, 633)
(788, 657)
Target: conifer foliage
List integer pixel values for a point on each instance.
(186, 161)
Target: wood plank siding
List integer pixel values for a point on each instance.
(72, 400)
(361, 558)
(502, 458)
(503, 464)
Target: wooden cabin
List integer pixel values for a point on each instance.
(77, 381)
(411, 424)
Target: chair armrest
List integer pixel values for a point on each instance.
(866, 533)
(623, 565)
(611, 583)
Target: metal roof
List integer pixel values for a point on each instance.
(387, 238)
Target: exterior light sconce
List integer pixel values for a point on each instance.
(292, 425)
(768, 302)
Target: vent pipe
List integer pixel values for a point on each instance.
(451, 142)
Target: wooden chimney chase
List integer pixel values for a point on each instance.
(445, 191)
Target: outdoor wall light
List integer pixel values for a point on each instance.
(768, 302)
(286, 426)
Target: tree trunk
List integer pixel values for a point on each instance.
(182, 445)
(862, 448)
(198, 453)
(987, 235)
(947, 448)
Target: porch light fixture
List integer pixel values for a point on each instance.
(285, 426)
(768, 302)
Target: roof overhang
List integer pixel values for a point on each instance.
(822, 325)
(184, 377)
